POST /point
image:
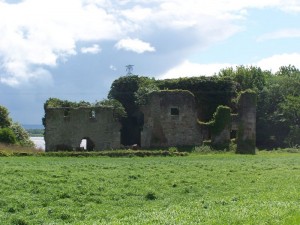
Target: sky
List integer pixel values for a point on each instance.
(75, 49)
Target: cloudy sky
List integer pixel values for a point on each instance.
(74, 49)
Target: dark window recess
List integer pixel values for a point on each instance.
(174, 111)
(93, 114)
(67, 113)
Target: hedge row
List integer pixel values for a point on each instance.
(113, 153)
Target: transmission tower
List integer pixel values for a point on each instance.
(129, 69)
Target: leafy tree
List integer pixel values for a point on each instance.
(288, 71)
(130, 90)
(247, 77)
(5, 120)
(277, 108)
(290, 113)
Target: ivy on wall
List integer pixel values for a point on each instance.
(118, 109)
(209, 92)
(221, 119)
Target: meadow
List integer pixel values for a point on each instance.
(222, 188)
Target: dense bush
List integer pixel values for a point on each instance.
(7, 136)
(12, 132)
(22, 136)
(119, 111)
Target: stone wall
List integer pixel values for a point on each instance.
(170, 119)
(246, 133)
(66, 127)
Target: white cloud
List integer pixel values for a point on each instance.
(36, 34)
(95, 49)
(189, 69)
(134, 45)
(285, 33)
(272, 63)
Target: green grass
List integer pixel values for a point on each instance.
(197, 189)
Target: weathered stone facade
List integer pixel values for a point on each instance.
(246, 132)
(67, 127)
(170, 119)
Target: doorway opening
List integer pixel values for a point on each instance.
(131, 129)
(87, 144)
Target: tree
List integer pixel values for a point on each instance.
(12, 132)
(247, 77)
(5, 120)
(290, 109)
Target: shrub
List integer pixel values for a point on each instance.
(7, 136)
(22, 136)
(203, 149)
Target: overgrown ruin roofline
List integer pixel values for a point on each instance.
(168, 117)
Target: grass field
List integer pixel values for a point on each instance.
(195, 189)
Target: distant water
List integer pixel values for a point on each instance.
(39, 142)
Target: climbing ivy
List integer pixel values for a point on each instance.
(209, 92)
(119, 110)
(250, 95)
(58, 103)
(221, 119)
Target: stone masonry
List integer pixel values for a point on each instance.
(170, 119)
(66, 127)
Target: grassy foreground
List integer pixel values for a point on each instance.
(196, 189)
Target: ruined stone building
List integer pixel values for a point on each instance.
(167, 119)
(67, 127)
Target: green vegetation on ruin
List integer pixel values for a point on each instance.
(209, 188)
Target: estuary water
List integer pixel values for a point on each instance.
(39, 142)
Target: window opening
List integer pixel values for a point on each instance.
(174, 111)
(67, 112)
(93, 114)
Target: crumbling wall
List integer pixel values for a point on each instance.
(246, 133)
(170, 119)
(219, 128)
(66, 127)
